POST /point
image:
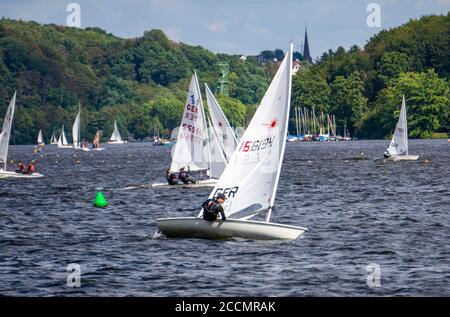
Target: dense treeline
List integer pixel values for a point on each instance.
(364, 88)
(141, 82)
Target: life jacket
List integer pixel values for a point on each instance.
(210, 212)
(21, 167)
(31, 168)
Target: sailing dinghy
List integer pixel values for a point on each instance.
(62, 141)
(40, 139)
(251, 177)
(53, 138)
(398, 148)
(196, 148)
(76, 128)
(4, 144)
(115, 137)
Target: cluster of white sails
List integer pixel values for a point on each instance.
(246, 172)
(62, 143)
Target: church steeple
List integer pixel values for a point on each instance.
(306, 54)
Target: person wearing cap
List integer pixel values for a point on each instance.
(185, 177)
(212, 208)
(171, 177)
(21, 168)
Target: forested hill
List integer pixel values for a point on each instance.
(364, 87)
(141, 82)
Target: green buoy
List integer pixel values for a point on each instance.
(100, 201)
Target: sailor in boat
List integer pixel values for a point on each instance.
(84, 144)
(185, 177)
(387, 154)
(20, 168)
(171, 177)
(30, 170)
(212, 208)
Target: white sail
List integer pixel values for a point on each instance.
(399, 142)
(250, 179)
(76, 130)
(115, 137)
(218, 160)
(62, 141)
(53, 138)
(40, 139)
(225, 134)
(6, 131)
(192, 147)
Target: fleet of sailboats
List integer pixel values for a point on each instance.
(251, 177)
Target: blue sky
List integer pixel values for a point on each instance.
(233, 26)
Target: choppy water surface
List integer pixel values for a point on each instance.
(359, 213)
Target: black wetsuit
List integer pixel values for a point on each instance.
(210, 213)
(171, 178)
(185, 178)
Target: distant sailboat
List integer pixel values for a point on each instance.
(76, 128)
(53, 138)
(62, 141)
(398, 148)
(250, 179)
(40, 139)
(115, 137)
(4, 144)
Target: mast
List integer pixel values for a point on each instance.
(204, 122)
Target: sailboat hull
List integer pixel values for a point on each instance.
(8, 174)
(116, 142)
(404, 158)
(193, 227)
(201, 183)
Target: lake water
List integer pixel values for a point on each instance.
(362, 216)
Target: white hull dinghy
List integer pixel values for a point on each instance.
(200, 183)
(398, 148)
(250, 179)
(9, 174)
(194, 227)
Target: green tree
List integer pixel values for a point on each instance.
(348, 102)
